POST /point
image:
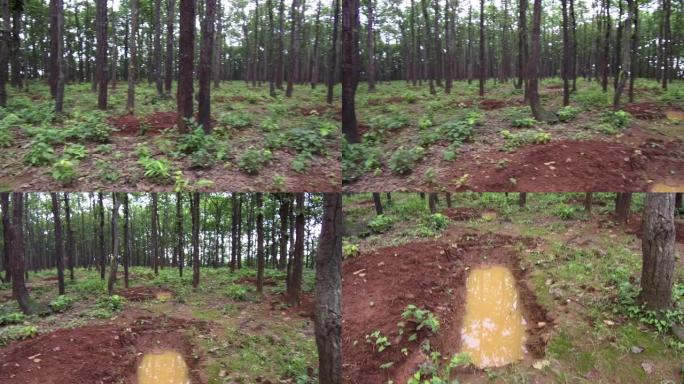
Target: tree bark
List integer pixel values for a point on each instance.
(522, 199)
(623, 203)
(429, 49)
(59, 241)
(157, 68)
(533, 63)
(101, 56)
(101, 236)
(170, 14)
(194, 207)
(260, 243)
(482, 49)
(127, 239)
(6, 236)
(298, 253)
(378, 203)
(588, 201)
(115, 244)
(186, 54)
(522, 44)
(658, 249)
(179, 232)
(57, 43)
(333, 52)
(328, 292)
(19, 291)
(350, 67)
(130, 102)
(155, 233)
(70, 241)
(206, 54)
(624, 72)
(294, 49)
(370, 47)
(565, 69)
(284, 213)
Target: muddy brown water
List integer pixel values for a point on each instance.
(493, 328)
(667, 187)
(163, 367)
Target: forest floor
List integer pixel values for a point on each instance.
(258, 143)
(576, 274)
(223, 330)
(413, 141)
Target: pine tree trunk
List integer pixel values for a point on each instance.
(624, 72)
(179, 232)
(284, 213)
(658, 249)
(370, 47)
(482, 49)
(6, 236)
(522, 199)
(59, 241)
(260, 243)
(350, 68)
(429, 49)
(298, 252)
(206, 54)
(4, 50)
(315, 55)
(328, 292)
(623, 203)
(19, 291)
(378, 203)
(294, 49)
(522, 45)
(194, 207)
(115, 244)
(565, 70)
(155, 233)
(130, 102)
(101, 57)
(101, 236)
(170, 35)
(70, 241)
(333, 52)
(533, 63)
(186, 54)
(127, 239)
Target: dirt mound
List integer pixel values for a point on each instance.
(431, 275)
(492, 104)
(645, 110)
(126, 125)
(144, 293)
(249, 280)
(96, 354)
(462, 213)
(554, 86)
(569, 165)
(160, 121)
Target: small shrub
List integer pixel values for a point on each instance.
(236, 120)
(112, 303)
(568, 113)
(6, 137)
(379, 342)
(438, 221)
(17, 332)
(525, 122)
(236, 292)
(64, 171)
(253, 160)
(349, 250)
(305, 140)
(403, 160)
(460, 131)
(525, 137)
(300, 163)
(75, 151)
(157, 170)
(423, 318)
(381, 224)
(565, 212)
(389, 123)
(40, 154)
(61, 303)
(12, 318)
(617, 119)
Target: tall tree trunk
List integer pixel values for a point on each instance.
(179, 232)
(284, 213)
(623, 203)
(429, 49)
(522, 44)
(315, 55)
(414, 47)
(57, 44)
(234, 233)
(606, 47)
(155, 233)
(658, 249)
(157, 66)
(533, 63)
(522, 199)
(15, 51)
(298, 253)
(194, 208)
(634, 44)
(432, 202)
(378, 203)
(19, 291)
(588, 201)
(6, 235)
(59, 241)
(115, 244)
(206, 54)
(667, 43)
(186, 54)
(127, 239)
(370, 47)
(624, 72)
(130, 102)
(271, 47)
(101, 236)
(281, 45)
(294, 49)
(260, 243)
(565, 69)
(328, 292)
(333, 51)
(573, 46)
(70, 241)
(482, 49)
(170, 15)
(350, 68)
(101, 56)
(448, 22)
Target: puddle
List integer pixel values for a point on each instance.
(664, 187)
(493, 330)
(163, 296)
(674, 114)
(167, 367)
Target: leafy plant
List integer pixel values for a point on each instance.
(306, 140)
(300, 163)
(403, 160)
(525, 137)
(40, 154)
(6, 137)
(112, 303)
(422, 318)
(236, 292)
(12, 318)
(525, 122)
(253, 160)
(17, 332)
(349, 249)
(64, 171)
(568, 113)
(61, 303)
(236, 120)
(617, 119)
(158, 170)
(389, 122)
(75, 151)
(565, 211)
(381, 223)
(438, 221)
(379, 342)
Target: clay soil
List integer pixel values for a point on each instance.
(142, 293)
(97, 354)
(378, 285)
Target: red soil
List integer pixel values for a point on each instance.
(96, 354)
(431, 275)
(462, 213)
(645, 111)
(491, 104)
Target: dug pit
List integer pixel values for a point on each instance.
(163, 367)
(433, 275)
